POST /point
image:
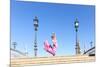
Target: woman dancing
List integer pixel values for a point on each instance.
(51, 48)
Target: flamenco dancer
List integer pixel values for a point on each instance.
(51, 48)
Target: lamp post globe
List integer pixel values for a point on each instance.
(76, 24)
(35, 20)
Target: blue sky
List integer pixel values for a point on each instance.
(58, 18)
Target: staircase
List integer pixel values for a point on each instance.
(21, 62)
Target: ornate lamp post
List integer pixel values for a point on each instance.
(35, 20)
(91, 43)
(14, 45)
(77, 42)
